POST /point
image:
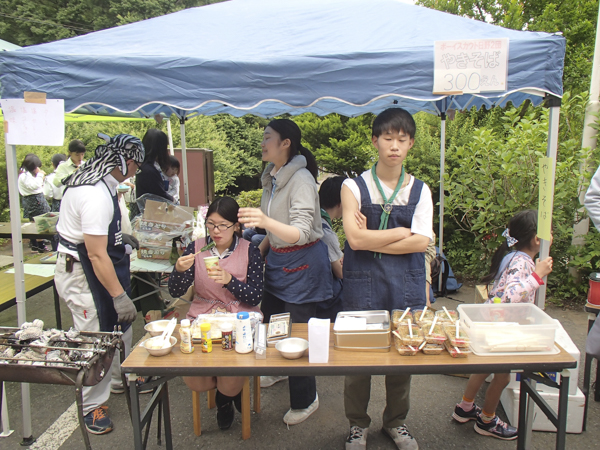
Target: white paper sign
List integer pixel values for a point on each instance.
(34, 123)
(470, 66)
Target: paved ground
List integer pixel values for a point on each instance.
(433, 399)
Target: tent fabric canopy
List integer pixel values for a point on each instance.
(269, 57)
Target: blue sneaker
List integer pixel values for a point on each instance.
(496, 428)
(98, 422)
(462, 416)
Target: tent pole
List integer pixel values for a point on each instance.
(170, 134)
(442, 169)
(17, 247)
(551, 152)
(186, 191)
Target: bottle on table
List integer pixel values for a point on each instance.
(227, 336)
(243, 333)
(206, 339)
(185, 332)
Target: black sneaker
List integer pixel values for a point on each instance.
(462, 416)
(496, 428)
(97, 421)
(225, 411)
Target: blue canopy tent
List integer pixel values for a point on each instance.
(269, 57)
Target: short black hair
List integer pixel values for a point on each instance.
(394, 119)
(174, 163)
(76, 146)
(330, 192)
(227, 208)
(57, 159)
(31, 162)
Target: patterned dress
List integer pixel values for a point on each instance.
(516, 282)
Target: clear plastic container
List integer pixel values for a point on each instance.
(437, 335)
(426, 317)
(432, 349)
(443, 317)
(405, 350)
(462, 341)
(457, 352)
(417, 334)
(397, 314)
(508, 328)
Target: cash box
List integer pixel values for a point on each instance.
(362, 331)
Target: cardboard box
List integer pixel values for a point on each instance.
(46, 223)
(575, 407)
(148, 252)
(481, 293)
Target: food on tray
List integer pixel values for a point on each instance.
(403, 349)
(447, 316)
(408, 336)
(424, 315)
(457, 352)
(432, 349)
(399, 315)
(435, 334)
(462, 341)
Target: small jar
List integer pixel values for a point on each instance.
(185, 332)
(227, 336)
(206, 339)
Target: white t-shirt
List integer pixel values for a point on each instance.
(29, 184)
(51, 191)
(422, 221)
(332, 242)
(86, 210)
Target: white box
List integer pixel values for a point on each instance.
(508, 328)
(564, 340)
(575, 407)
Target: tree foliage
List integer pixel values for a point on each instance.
(30, 22)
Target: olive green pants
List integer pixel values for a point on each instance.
(357, 392)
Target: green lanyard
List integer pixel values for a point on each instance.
(387, 204)
(327, 218)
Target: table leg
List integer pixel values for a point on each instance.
(57, 307)
(522, 426)
(563, 401)
(256, 403)
(587, 369)
(246, 409)
(135, 413)
(167, 416)
(196, 413)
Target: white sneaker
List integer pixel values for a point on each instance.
(266, 382)
(117, 389)
(357, 440)
(296, 416)
(402, 438)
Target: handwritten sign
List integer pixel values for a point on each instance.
(470, 66)
(34, 123)
(546, 183)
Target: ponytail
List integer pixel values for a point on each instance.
(288, 129)
(496, 260)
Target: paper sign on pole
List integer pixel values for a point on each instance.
(470, 66)
(34, 123)
(546, 183)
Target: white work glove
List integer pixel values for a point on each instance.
(125, 308)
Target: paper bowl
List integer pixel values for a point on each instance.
(292, 348)
(157, 327)
(159, 351)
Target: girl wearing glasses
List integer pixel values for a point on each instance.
(298, 273)
(236, 284)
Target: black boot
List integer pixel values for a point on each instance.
(225, 410)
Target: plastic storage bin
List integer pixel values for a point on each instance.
(507, 328)
(46, 223)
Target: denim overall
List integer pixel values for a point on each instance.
(394, 281)
(107, 315)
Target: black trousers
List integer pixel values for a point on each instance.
(303, 390)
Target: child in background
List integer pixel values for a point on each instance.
(53, 193)
(173, 176)
(331, 208)
(76, 154)
(516, 279)
(398, 211)
(31, 181)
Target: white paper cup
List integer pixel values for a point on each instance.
(211, 261)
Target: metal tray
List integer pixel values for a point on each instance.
(364, 340)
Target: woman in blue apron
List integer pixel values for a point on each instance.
(297, 270)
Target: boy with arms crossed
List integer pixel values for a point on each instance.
(388, 221)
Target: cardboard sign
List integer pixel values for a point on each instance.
(470, 66)
(546, 199)
(34, 123)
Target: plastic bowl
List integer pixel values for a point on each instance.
(159, 351)
(157, 327)
(292, 348)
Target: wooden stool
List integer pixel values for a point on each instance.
(245, 406)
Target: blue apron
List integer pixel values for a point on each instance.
(107, 315)
(300, 274)
(394, 281)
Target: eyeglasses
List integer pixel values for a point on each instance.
(139, 165)
(221, 227)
